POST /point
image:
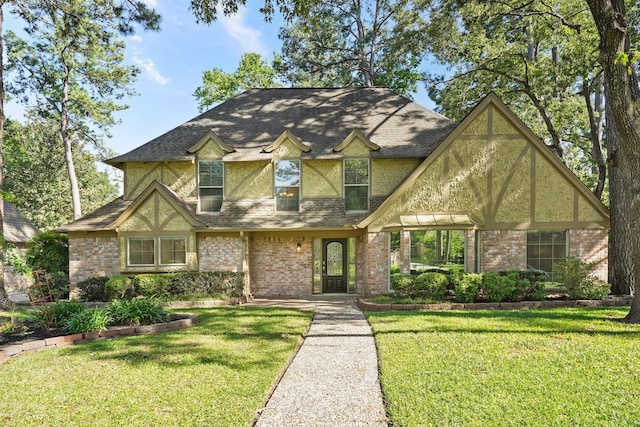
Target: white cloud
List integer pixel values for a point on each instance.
(135, 38)
(249, 39)
(151, 3)
(150, 69)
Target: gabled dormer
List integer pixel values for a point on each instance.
(286, 152)
(210, 150)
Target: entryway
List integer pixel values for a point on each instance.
(334, 266)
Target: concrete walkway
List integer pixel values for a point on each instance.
(333, 379)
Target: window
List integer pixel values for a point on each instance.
(173, 250)
(356, 184)
(287, 184)
(141, 251)
(544, 248)
(210, 185)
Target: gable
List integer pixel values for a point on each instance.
(495, 171)
(155, 210)
(180, 176)
(287, 146)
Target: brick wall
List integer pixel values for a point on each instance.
(220, 253)
(405, 252)
(278, 270)
(470, 251)
(503, 250)
(591, 245)
(376, 257)
(92, 256)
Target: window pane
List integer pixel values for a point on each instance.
(544, 249)
(287, 173)
(287, 198)
(356, 172)
(141, 251)
(211, 173)
(173, 250)
(210, 199)
(356, 198)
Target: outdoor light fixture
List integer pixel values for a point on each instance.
(298, 247)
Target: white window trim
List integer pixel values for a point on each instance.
(344, 184)
(224, 182)
(299, 186)
(129, 264)
(160, 238)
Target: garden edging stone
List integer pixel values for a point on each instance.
(12, 350)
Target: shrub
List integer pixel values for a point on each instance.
(495, 287)
(59, 285)
(137, 311)
(430, 285)
(577, 276)
(48, 251)
(395, 268)
(207, 283)
(93, 288)
(468, 287)
(119, 287)
(94, 320)
(51, 316)
(152, 285)
(402, 283)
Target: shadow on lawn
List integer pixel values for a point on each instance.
(592, 320)
(235, 338)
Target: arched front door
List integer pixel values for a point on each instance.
(334, 265)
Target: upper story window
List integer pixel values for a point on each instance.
(287, 185)
(210, 185)
(356, 184)
(545, 248)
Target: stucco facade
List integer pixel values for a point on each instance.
(305, 200)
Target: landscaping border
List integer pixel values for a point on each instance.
(13, 350)
(522, 305)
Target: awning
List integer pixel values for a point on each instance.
(440, 221)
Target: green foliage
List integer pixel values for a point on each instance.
(218, 85)
(58, 314)
(48, 251)
(119, 287)
(495, 287)
(59, 285)
(93, 288)
(395, 269)
(15, 260)
(207, 283)
(468, 287)
(94, 320)
(402, 283)
(35, 173)
(137, 311)
(152, 285)
(430, 285)
(579, 279)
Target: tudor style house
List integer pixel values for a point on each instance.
(301, 188)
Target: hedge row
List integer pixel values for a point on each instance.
(511, 285)
(181, 285)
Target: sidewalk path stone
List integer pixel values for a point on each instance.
(333, 379)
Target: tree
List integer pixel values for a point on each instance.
(537, 65)
(356, 43)
(127, 12)
(36, 178)
(217, 85)
(623, 99)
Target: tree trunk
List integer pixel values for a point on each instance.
(3, 293)
(623, 98)
(620, 261)
(68, 155)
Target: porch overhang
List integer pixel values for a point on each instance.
(433, 221)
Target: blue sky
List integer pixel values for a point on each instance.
(172, 61)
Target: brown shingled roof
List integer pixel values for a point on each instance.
(321, 118)
(16, 227)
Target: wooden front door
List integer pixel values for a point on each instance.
(334, 265)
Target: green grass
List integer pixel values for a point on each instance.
(556, 367)
(216, 373)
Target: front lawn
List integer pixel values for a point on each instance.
(216, 373)
(555, 367)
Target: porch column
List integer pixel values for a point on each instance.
(405, 252)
